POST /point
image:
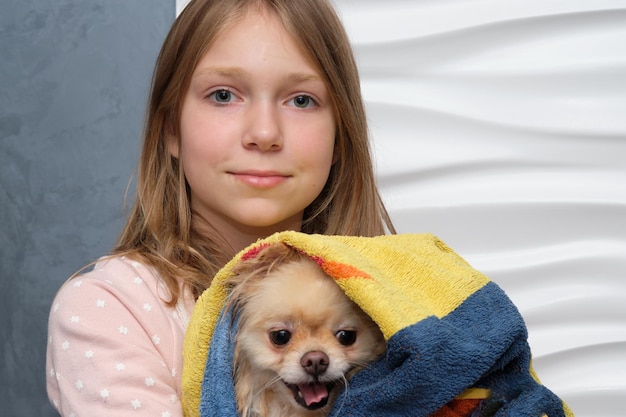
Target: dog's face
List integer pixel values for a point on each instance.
(300, 336)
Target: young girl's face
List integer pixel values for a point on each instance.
(257, 130)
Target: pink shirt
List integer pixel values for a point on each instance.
(114, 346)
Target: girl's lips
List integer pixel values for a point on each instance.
(264, 179)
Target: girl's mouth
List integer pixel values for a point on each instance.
(260, 179)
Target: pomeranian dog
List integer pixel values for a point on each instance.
(299, 337)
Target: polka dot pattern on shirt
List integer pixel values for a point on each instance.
(115, 346)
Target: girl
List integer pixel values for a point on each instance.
(255, 124)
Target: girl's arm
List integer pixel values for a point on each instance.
(114, 347)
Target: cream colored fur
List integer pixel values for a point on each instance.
(285, 294)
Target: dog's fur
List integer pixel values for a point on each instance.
(296, 329)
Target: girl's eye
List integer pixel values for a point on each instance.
(280, 337)
(303, 101)
(346, 337)
(222, 96)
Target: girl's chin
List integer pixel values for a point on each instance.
(266, 223)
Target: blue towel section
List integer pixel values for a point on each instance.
(217, 397)
(481, 344)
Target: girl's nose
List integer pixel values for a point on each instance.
(263, 130)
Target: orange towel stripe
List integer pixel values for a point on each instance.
(341, 271)
(457, 408)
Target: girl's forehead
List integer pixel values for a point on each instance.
(260, 29)
(257, 41)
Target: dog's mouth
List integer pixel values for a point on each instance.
(311, 396)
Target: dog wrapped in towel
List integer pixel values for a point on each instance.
(456, 345)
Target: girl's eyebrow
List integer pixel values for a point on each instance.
(238, 72)
(231, 72)
(302, 77)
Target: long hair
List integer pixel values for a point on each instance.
(160, 228)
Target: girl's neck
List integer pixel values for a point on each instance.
(231, 238)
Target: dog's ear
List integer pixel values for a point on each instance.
(250, 271)
(264, 261)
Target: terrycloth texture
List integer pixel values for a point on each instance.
(451, 333)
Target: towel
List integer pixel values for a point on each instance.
(456, 344)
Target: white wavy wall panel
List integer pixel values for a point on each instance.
(500, 126)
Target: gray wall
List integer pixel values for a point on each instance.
(74, 77)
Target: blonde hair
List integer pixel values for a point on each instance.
(160, 230)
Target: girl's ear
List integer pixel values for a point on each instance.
(171, 140)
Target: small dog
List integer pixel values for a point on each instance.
(299, 338)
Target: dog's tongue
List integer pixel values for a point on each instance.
(313, 393)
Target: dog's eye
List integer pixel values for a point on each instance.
(280, 337)
(346, 337)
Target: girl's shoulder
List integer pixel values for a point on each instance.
(115, 281)
(119, 289)
(117, 274)
(111, 332)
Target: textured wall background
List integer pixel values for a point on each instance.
(501, 127)
(74, 76)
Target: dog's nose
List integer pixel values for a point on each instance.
(314, 363)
